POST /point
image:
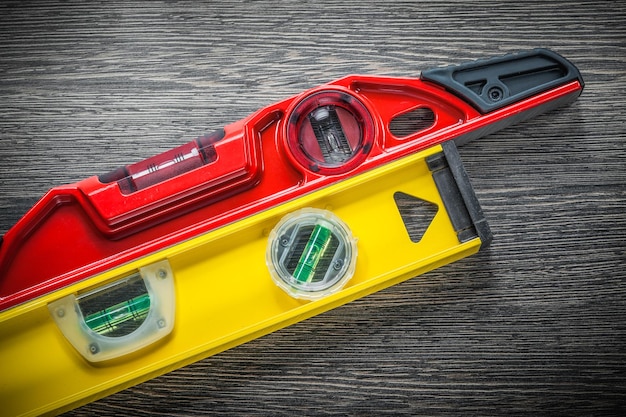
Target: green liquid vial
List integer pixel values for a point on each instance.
(313, 252)
(112, 318)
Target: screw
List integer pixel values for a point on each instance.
(93, 348)
(162, 273)
(495, 94)
(161, 323)
(61, 312)
(338, 264)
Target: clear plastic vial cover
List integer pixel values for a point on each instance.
(311, 253)
(119, 318)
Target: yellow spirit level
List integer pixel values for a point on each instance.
(238, 282)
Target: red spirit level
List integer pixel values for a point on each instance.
(307, 204)
(279, 153)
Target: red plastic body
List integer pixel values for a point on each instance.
(85, 228)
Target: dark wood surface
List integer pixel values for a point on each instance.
(536, 325)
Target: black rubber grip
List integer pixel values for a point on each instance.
(490, 84)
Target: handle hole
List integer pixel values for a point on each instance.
(412, 122)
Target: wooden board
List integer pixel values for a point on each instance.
(535, 325)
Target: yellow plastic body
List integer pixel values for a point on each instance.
(224, 293)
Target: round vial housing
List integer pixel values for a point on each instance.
(330, 132)
(311, 253)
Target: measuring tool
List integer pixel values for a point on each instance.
(301, 207)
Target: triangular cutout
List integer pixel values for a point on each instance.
(417, 214)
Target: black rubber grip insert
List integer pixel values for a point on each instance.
(493, 83)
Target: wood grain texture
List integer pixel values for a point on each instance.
(536, 325)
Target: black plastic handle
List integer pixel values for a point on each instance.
(490, 84)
